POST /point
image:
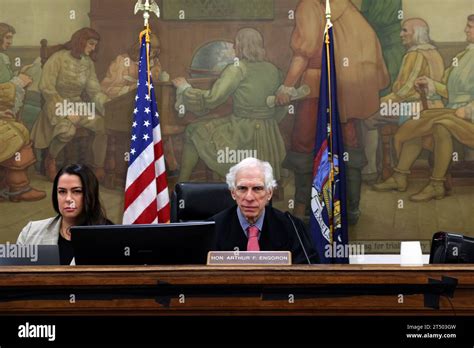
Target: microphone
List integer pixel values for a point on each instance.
(299, 237)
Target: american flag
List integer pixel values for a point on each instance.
(146, 189)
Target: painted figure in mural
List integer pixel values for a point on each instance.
(122, 77)
(252, 129)
(67, 74)
(455, 120)
(421, 59)
(16, 152)
(122, 74)
(361, 74)
(385, 17)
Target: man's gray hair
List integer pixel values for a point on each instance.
(251, 162)
(421, 35)
(421, 31)
(249, 45)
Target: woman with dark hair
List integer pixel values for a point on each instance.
(67, 75)
(75, 198)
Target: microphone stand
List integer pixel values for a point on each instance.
(299, 237)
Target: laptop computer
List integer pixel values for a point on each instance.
(161, 244)
(28, 255)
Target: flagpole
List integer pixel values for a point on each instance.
(147, 7)
(146, 199)
(330, 134)
(328, 196)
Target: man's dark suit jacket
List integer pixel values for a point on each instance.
(277, 233)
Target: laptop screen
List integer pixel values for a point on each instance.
(160, 244)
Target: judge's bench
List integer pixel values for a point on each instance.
(429, 290)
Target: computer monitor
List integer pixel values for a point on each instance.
(158, 244)
(28, 255)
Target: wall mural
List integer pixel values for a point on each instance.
(405, 101)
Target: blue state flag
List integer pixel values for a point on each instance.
(328, 220)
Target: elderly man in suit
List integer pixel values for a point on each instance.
(252, 225)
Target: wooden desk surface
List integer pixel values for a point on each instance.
(263, 290)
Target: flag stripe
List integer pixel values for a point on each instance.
(158, 149)
(164, 213)
(148, 215)
(135, 188)
(161, 184)
(162, 198)
(147, 196)
(139, 165)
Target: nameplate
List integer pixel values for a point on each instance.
(248, 258)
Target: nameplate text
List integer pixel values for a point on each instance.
(248, 258)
